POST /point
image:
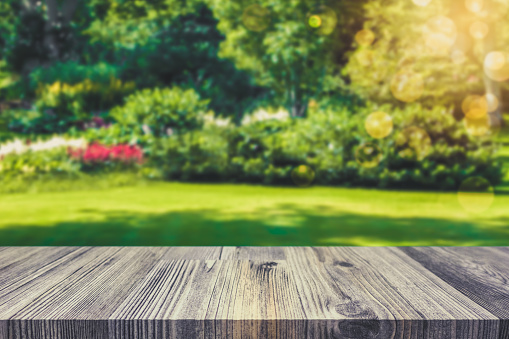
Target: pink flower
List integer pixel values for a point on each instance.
(97, 153)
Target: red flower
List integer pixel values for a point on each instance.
(97, 153)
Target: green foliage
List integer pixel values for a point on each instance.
(197, 155)
(126, 23)
(283, 53)
(72, 73)
(61, 106)
(160, 112)
(117, 134)
(268, 151)
(65, 183)
(180, 52)
(453, 157)
(38, 165)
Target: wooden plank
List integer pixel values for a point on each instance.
(4, 332)
(81, 303)
(480, 273)
(18, 263)
(250, 292)
(191, 253)
(383, 294)
(253, 253)
(19, 290)
(233, 298)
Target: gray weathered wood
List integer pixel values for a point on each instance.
(480, 273)
(253, 292)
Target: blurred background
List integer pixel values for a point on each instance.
(240, 122)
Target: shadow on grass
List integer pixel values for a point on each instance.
(293, 227)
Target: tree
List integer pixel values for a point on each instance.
(40, 32)
(175, 43)
(433, 50)
(289, 46)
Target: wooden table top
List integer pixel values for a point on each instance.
(254, 292)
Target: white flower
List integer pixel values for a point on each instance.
(77, 143)
(262, 115)
(146, 129)
(210, 120)
(28, 169)
(17, 146)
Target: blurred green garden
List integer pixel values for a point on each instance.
(271, 122)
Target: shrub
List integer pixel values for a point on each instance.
(63, 158)
(61, 106)
(328, 142)
(200, 155)
(454, 154)
(72, 73)
(37, 165)
(160, 112)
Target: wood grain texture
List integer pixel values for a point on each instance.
(253, 292)
(480, 273)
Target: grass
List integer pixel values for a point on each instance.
(174, 214)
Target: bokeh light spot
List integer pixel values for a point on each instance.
(440, 33)
(322, 20)
(477, 127)
(256, 18)
(496, 65)
(365, 37)
(413, 143)
(312, 103)
(492, 101)
(407, 86)
(421, 3)
(379, 125)
(368, 155)
(479, 30)
(303, 175)
(474, 6)
(475, 106)
(315, 21)
(476, 195)
(365, 57)
(458, 57)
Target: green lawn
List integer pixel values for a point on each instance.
(195, 214)
(168, 214)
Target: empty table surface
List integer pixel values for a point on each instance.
(254, 292)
